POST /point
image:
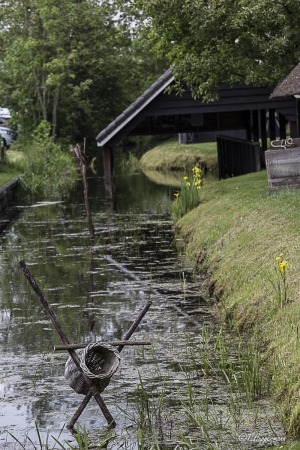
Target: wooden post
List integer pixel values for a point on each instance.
(249, 125)
(294, 133)
(263, 129)
(73, 354)
(108, 164)
(272, 125)
(81, 160)
(120, 348)
(255, 126)
(282, 126)
(263, 134)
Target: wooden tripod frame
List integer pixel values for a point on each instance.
(92, 388)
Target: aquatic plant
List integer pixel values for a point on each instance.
(81, 437)
(189, 196)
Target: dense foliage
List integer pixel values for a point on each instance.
(69, 62)
(48, 169)
(208, 41)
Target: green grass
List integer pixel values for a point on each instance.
(235, 235)
(15, 156)
(291, 446)
(174, 156)
(7, 174)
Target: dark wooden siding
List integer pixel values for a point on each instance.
(235, 100)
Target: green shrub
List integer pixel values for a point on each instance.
(49, 170)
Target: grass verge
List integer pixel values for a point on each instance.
(171, 155)
(235, 234)
(7, 174)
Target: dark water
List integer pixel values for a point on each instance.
(96, 293)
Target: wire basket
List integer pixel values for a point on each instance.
(98, 361)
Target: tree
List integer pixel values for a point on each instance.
(212, 41)
(63, 61)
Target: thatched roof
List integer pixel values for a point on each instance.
(290, 85)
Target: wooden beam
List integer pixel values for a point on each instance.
(272, 125)
(114, 344)
(282, 126)
(263, 134)
(255, 126)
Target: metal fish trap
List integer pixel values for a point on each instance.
(98, 361)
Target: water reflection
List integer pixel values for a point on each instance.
(96, 293)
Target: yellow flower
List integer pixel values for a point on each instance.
(176, 194)
(188, 184)
(283, 266)
(277, 259)
(198, 187)
(185, 178)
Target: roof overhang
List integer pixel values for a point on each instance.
(133, 110)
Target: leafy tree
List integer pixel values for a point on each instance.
(208, 41)
(66, 62)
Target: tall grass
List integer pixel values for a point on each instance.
(49, 168)
(240, 229)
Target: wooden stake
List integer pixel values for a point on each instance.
(81, 159)
(114, 344)
(73, 354)
(120, 348)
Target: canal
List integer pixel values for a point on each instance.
(179, 389)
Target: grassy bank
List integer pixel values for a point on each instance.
(7, 175)
(174, 156)
(235, 235)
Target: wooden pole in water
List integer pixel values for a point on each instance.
(93, 389)
(120, 348)
(81, 159)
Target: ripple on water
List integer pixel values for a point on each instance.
(97, 293)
